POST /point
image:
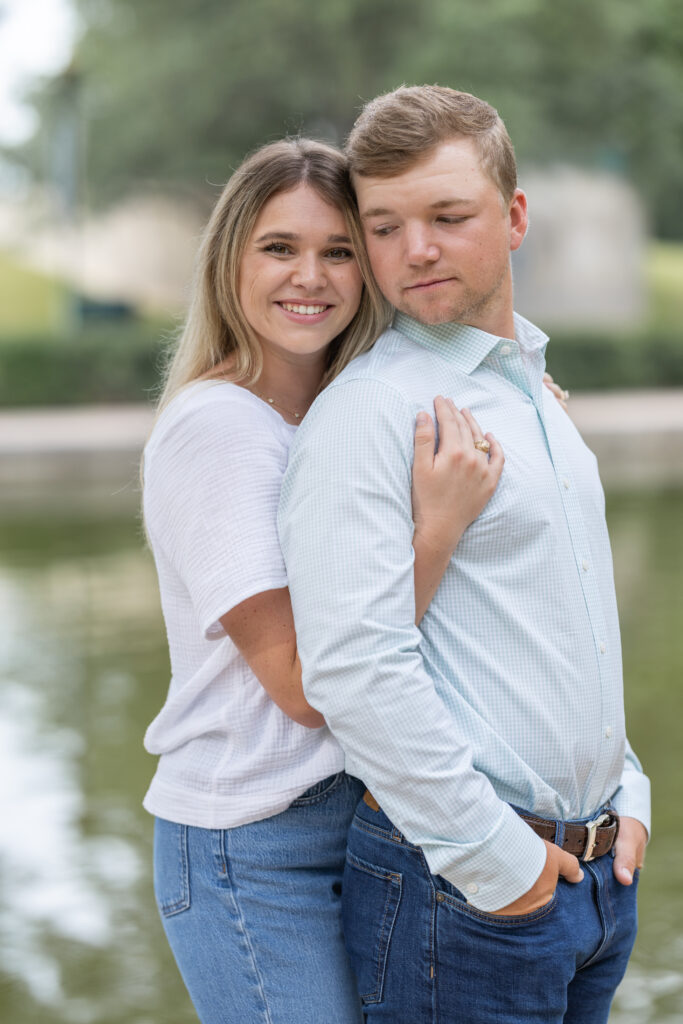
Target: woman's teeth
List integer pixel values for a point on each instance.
(306, 310)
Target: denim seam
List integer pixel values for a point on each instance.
(395, 879)
(308, 801)
(500, 920)
(242, 925)
(432, 917)
(169, 909)
(600, 893)
(381, 833)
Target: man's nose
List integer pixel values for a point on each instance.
(420, 246)
(309, 272)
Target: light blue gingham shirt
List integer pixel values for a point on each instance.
(511, 690)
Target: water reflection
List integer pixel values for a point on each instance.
(83, 668)
(79, 936)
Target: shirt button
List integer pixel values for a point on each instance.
(608, 732)
(505, 350)
(565, 483)
(472, 888)
(584, 565)
(603, 648)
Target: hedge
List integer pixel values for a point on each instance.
(122, 364)
(100, 364)
(597, 361)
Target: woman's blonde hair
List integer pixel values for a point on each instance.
(216, 327)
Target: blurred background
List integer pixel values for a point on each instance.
(119, 122)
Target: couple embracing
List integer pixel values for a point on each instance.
(411, 586)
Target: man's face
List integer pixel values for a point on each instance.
(439, 237)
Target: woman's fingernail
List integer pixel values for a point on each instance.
(421, 419)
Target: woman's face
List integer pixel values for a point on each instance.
(299, 283)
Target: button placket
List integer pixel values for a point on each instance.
(580, 543)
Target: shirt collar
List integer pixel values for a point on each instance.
(464, 346)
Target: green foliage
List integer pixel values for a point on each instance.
(101, 364)
(598, 361)
(176, 93)
(117, 364)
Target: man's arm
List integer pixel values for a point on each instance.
(346, 531)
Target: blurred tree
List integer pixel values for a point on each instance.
(176, 92)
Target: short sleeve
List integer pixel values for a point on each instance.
(212, 475)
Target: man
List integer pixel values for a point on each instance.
(484, 879)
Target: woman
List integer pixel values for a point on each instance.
(251, 800)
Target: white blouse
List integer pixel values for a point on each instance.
(213, 470)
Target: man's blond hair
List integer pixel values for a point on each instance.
(395, 131)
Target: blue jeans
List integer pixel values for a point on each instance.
(422, 954)
(253, 913)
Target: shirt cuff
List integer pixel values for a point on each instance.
(496, 871)
(632, 799)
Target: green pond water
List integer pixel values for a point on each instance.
(84, 668)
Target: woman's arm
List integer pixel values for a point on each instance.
(450, 488)
(262, 629)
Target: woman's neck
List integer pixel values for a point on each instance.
(291, 396)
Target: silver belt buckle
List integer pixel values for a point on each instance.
(592, 828)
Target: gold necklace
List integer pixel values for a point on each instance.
(278, 405)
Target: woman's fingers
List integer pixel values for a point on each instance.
(475, 429)
(496, 457)
(424, 442)
(459, 429)
(560, 394)
(454, 431)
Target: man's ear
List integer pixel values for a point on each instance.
(519, 220)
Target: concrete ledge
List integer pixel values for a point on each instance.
(94, 451)
(636, 435)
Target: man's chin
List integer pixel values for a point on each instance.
(430, 314)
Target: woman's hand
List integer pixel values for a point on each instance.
(561, 395)
(453, 485)
(450, 489)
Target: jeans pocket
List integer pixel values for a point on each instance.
(319, 790)
(171, 867)
(450, 896)
(371, 897)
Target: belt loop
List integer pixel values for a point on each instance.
(559, 834)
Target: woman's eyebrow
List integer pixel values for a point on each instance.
(290, 236)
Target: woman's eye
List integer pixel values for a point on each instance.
(340, 254)
(278, 248)
(383, 231)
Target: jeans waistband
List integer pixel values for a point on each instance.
(586, 838)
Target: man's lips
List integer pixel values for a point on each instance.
(428, 284)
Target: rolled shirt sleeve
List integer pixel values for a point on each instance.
(346, 533)
(632, 798)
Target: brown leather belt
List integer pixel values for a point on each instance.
(586, 842)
